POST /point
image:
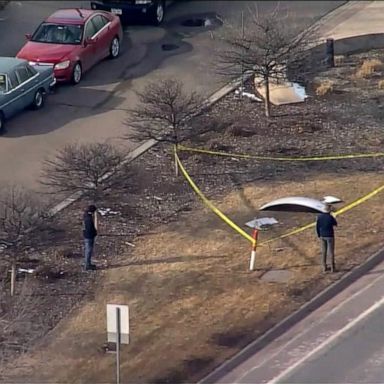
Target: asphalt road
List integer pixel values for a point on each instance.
(357, 357)
(340, 342)
(96, 109)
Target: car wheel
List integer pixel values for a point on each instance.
(2, 123)
(77, 73)
(114, 49)
(38, 100)
(159, 12)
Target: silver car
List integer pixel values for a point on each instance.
(21, 86)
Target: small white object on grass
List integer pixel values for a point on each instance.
(261, 222)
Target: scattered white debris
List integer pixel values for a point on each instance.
(157, 198)
(251, 96)
(207, 22)
(23, 270)
(107, 211)
(300, 91)
(235, 159)
(130, 244)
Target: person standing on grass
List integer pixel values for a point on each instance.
(89, 233)
(324, 228)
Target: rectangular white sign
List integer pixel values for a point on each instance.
(112, 325)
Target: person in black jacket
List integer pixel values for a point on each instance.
(89, 233)
(324, 228)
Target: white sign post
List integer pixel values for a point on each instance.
(118, 330)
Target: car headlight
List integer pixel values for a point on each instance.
(143, 2)
(63, 65)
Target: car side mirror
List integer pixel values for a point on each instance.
(28, 36)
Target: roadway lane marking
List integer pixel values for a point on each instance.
(310, 328)
(330, 340)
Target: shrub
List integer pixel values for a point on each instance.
(324, 88)
(369, 67)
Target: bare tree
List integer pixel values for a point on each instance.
(164, 111)
(89, 168)
(21, 213)
(266, 46)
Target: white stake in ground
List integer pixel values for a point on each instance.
(255, 234)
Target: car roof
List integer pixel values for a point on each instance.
(8, 63)
(70, 16)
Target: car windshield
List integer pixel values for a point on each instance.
(3, 83)
(58, 34)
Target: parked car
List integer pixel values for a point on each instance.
(22, 85)
(74, 40)
(152, 11)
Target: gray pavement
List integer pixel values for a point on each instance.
(97, 109)
(340, 342)
(356, 358)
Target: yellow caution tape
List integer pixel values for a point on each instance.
(245, 234)
(304, 158)
(210, 205)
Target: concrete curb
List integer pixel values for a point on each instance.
(294, 318)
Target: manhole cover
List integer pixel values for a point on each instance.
(278, 276)
(194, 23)
(169, 47)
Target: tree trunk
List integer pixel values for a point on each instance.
(13, 278)
(267, 101)
(176, 163)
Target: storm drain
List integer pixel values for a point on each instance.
(169, 47)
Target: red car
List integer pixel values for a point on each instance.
(74, 40)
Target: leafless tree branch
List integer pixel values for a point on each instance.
(90, 168)
(163, 112)
(20, 213)
(268, 46)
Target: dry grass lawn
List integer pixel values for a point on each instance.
(193, 301)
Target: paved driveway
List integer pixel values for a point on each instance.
(97, 108)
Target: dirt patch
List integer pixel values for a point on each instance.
(193, 302)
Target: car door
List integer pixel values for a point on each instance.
(88, 53)
(13, 102)
(102, 36)
(6, 106)
(28, 83)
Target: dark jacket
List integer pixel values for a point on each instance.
(324, 225)
(89, 230)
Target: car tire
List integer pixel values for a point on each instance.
(158, 14)
(2, 123)
(77, 73)
(114, 49)
(38, 100)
